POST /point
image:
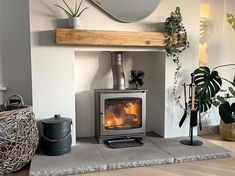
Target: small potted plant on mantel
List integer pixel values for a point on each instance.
(73, 13)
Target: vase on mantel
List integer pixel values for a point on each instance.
(74, 22)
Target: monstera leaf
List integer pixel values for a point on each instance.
(202, 106)
(207, 86)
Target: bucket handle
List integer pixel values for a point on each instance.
(57, 140)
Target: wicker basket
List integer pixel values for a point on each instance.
(227, 130)
(18, 137)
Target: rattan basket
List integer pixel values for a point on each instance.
(227, 130)
(18, 137)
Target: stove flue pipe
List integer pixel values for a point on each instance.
(117, 69)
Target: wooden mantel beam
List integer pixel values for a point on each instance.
(109, 38)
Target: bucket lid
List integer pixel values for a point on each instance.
(56, 119)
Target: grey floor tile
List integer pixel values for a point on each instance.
(183, 153)
(146, 155)
(83, 158)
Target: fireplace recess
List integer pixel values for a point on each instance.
(120, 114)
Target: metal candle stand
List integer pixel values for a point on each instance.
(193, 117)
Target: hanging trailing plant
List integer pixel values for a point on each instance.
(177, 43)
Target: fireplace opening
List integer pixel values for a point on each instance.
(123, 113)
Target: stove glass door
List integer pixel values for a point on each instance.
(122, 113)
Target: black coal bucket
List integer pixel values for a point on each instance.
(56, 135)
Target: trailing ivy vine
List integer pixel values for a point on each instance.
(176, 44)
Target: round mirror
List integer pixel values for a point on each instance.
(127, 10)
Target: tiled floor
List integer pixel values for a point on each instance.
(184, 153)
(148, 154)
(89, 156)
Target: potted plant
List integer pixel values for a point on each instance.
(73, 13)
(177, 43)
(177, 35)
(227, 114)
(208, 85)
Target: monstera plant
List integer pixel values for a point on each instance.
(208, 85)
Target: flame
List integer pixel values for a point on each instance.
(132, 108)
(123, 114)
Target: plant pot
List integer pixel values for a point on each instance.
(227, 130)
(74, 22)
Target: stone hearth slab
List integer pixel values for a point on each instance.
(146, 155)
(185, 153)
(82, 159)
(90, 157)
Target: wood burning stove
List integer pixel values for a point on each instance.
(119, 114)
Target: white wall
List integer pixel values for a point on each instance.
(15, 61)
(220, 49)
(154, 65)
(53, 66)
(92, 71)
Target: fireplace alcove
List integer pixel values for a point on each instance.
(93, 71)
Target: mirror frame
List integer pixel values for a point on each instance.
(100, 7)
